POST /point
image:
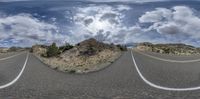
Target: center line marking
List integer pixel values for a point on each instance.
(18, 76)
(158, 86)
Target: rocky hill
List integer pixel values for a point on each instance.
(177, 49)
(11, 49)
(86, 56)
(91, 47)
(39, 49)
(3, 50)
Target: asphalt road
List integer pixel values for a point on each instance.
(119, 81)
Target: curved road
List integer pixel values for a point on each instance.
(118, 81)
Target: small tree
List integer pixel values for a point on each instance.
(167, 50)
(122, 47)
(67, 46)
(52, 50)
(13, 49)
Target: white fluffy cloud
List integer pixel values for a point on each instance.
(156, 16)
(177, 21)
(25, 30)
(103, 22)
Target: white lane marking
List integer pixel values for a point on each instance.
(10, 56)
(158, 86)
(18, 76)
(169, 60)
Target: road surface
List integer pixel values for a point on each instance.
(121, 80)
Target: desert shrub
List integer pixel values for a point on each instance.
(52, 50)
(31, 50)
(122, 48)
(166, 50)
(92, 51)
(72, 71)
(13, 49)
(66, 47)
(44, 55)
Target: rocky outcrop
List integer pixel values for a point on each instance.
(39, 49)
(11, 49)
(177, 49)
(4, 50)
(91, 47)
(16, 49)
(86, 56)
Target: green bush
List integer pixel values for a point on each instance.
(122, 47)
(52, 50)
(72, 71)
(167, 50)
(13, 49)
(65, 47)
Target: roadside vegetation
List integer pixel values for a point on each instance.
(52, 50)
(122, 47)
(175, 49)
(86, 56)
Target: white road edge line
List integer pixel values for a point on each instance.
(158, 86)
(10, 56)
(18, 76)
(169, 60)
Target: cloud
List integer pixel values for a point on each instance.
(25, 30)
(179, 21)
(136, 1)
(156, 16)
(103, 22)
(106, 23)
(13, 0)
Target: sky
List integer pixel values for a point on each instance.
(91, 0)
(28, 22)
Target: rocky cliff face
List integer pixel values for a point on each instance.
(177, 49)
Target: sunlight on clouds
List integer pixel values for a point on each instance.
(118, 23)
(103, 22)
